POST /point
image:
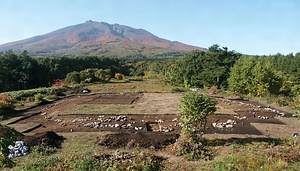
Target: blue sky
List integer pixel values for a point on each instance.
(260, 27)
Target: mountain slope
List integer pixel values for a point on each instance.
(99, 38)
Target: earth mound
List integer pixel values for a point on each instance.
(138, 139)
(49, 138)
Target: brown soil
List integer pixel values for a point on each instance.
(157, 123)
(49, 138)
(138, 139)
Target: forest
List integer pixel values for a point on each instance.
(20, 71)
(255, 76)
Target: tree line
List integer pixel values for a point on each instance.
(227, 69)
(248, 75)
(20, 71)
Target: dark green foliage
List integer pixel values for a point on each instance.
(199, 68)
(140, 67)
(20, 71)
(5, 141)
(73, 77)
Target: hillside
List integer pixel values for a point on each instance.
(99, 38)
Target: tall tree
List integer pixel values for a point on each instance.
(199, 68)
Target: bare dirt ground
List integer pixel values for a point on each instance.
(152, 117)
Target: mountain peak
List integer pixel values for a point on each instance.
(99, 38)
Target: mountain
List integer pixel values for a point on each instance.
(99, 38)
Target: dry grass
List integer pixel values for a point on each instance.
(151, 85)
(25, 127)
(150, 103)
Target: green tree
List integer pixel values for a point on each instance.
(18, 71)
(73, 77)
(88, 75)
(255, 76)
(194, 109)
(104, 75)
(203, 68)
(240, 79)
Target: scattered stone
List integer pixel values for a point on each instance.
(229, 126)
(48, 117)
(159, 121)
(263, 117)
(295, 134)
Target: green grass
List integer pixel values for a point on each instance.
(76, 144)
(17, 118)
(77, 154)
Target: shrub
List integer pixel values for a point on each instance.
(59, 82)
(5, 141)
(119, 76)
(42, 150)
(194, 109)
(192, 148)
(87, 163)
(296, 104)
(5, 102)
(177, 89)
(38, 97)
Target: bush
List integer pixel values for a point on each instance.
(194, 108)
(5, 141)
(296, 104)
(42, 150)
(38, 97)
(5, 102)
(192, 149)
(177, 89)
(119, 76)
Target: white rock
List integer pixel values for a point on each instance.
(229, 126)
